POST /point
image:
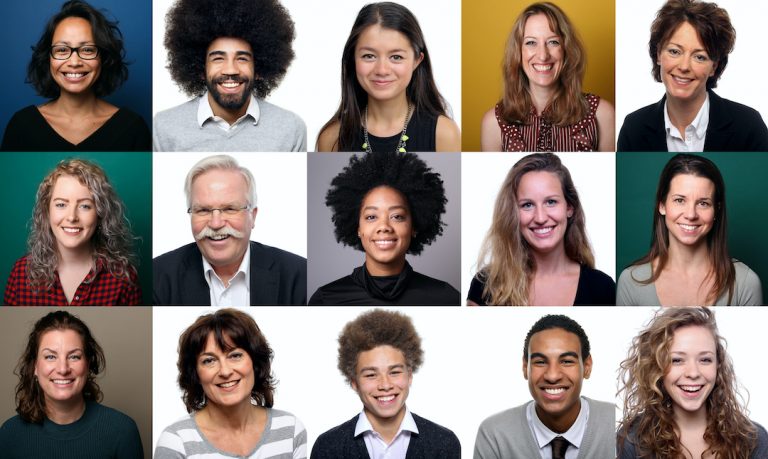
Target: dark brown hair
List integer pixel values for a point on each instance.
(30, 399)
(231, 329)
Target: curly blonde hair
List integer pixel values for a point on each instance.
(648, 411)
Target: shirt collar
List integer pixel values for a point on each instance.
(205, 112)
(245, 268)
(364, 425)
(699, 124)
(544, 435)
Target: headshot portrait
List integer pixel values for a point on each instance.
(373, 215)
(689, 59)
(538, 76)
(688, 389)
(557, 362)
(81, 229)
(215, 66)
(389, 98)
(702, 249)
(76, 384)
(225, 378)
(379, 352)
(81, 79)
(208, 214)
(561, 249)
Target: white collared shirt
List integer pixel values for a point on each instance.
(238, 293)
(377, 447)
(205, 113)
(543, 435)
(695, 133)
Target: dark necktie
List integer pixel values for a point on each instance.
(559, 445)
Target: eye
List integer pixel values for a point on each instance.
(396, 57)
(551, 202)
(76, 357)
(673, 51)
(207, 361)
(526, 205)
(676, 360)
(705, 204)
(399, 217)
(369, 218)
(678, 200)
(539, 362)
(568, 362)
(237, 356)
(701, 57)
(369, 375)
(368, 57)
(59, 205)
(86, 206)
(49, 357)
(553, 42)
(530, 43)
(707, 360)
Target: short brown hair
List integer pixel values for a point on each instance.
(378, 328)
(231, 329)
(712, 24)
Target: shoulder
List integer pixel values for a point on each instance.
(761, 450)
(328, 139)
(635, 273)
(182, 110)
(489, 118)
(20, 266)
(170, 260)
(285, 258)
(505, 420)
(447, 134)
(274, 114)
(435, 432)
(13, 424)
(323, 295)
(25, 114)
(739, 112)
(601, 408)
(749, 290)
(283, 419)
(333, 438)
(604, 110)
(441, 292)
(173, 438)
(115, 419)
(128, 116)
(629, 289)
(596, 277)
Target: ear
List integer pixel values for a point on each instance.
(714, 68)
(662, 208)
(418, 60)
(525, 369)
(353, 383)
(253, 216)
(587, 367)
(569, 212)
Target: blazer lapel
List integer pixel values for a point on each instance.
(655, 135)
(196, 290)
(718, 132)
(265, 283)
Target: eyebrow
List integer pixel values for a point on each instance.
(695, 50)
(56, 352)
(398, 50)
(539, 355)
(390, 208)
(217, 52)
(77, 200)
(391, 367)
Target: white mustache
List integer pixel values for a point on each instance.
(225, 231)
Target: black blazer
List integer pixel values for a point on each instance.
(432, 441)
(277, 277)
(732, 127)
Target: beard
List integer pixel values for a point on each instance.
(230, 101)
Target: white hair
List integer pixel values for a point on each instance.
(222, 162)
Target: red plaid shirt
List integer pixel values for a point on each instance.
(99, 288)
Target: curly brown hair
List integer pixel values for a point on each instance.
(378, 328)
(231, 329)
(30, 400)
(648, 411)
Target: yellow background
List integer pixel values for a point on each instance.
(485, 26)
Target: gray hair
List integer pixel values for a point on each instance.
(224, 162)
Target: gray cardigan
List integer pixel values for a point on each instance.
(507, 434)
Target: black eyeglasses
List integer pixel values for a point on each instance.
(62, 52)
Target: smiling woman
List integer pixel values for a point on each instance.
(77, 61)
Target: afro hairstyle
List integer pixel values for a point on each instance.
(378, 328)
(405, 172)
(191, 26)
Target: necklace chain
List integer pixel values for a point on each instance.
(400, 148)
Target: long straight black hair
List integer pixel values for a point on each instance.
(421, 92)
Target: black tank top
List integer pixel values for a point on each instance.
(420, 132)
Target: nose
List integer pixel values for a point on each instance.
(384, 383)
(224, 369)
(690, 211)
(542, 52)
(62, 366)
(692, 370)
(384, 226)
(684, 64)
(217, 219)
(553, 373)
(72, 214)
(230, 68)
(382, 67)
(540, 215)
(74, 59)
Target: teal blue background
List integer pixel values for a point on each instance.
(129, 173)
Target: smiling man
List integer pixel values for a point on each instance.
(378, 354)
(224, 267)
(559, 423)
(229, 56)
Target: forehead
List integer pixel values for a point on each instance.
(211, 345)
(69, 186)
(66, 339)
(687, 35)
(538, 24)
(381, 38)
(693, 339)
(380, 357)
(689, 184)
(230, 45)
(219, 184)
(539, 182)
(73, 30)
(384, 196)
(554, 341)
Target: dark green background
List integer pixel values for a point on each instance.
(21, 174)
(746, 185)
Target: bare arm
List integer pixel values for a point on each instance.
(490, 132)
(447, 135)
(606, 126)
(328, 140)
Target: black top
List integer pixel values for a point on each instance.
(409, 288)
(595, 289)
(29, 131)
(432, 442)
(732, 127)
(277, 277)
(421, 136)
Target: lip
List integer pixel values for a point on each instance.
(543, 232)
(691, 391)
(71, 230)
(62, 382)
(386, 400)
(229, 386)
(556, 393)
(543, 68)
(382, 83)
(74, 77)
(688, 229)
(230, 86)
(385, 244)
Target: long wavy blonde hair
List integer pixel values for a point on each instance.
(505, 262)
(111, 243)
(648, 411)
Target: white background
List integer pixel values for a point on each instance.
(281, 190)
(472, 360)
(635, 86)
(594, 175)
(312, 87)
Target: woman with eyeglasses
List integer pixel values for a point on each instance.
(78, 60)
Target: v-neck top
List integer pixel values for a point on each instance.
(28, 130)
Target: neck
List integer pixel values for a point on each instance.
(552, 262)
(386, 427)
(75, 257)
(690, 420)
(75, 104)
(559, 424)
(541, 97)
(393, 268)
(687, 257)
(66, 411)
(235, 418)
(682, 112)
(227, 114)
(387, 111)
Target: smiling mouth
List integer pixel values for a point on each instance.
(218, 237)
(385, 398)
(543, 67)
(385, 243)
(691, 389)
(554, 390)
(543, 231)
(63, 382)
(71, 230)
(229, 384)
(229, 84)
(688, 228)
(681, 80)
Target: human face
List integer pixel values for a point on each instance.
(542, 52)
(385, 230)
(74, 75)
(229, 74)
(72, 214)
(226, 376)
(543, 211)
(689, 210)
(555, 371)
(384, 62)
(685, 65)
(61, 367)
(692, 371)
(382, 380)
(222, 239)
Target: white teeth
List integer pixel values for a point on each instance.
(230, 84)
(543, 67)
(682, 80)
(387, 243)
(227, 385)
(546, 230)
(63, 381)
(691, 388)
(218, 237)
(555, 391)
(688, 227)
(387, 398)
(72, 230)
(74, 75)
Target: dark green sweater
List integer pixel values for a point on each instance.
(102, 433)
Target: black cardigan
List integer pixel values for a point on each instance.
(732, 127)
(432, 441)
